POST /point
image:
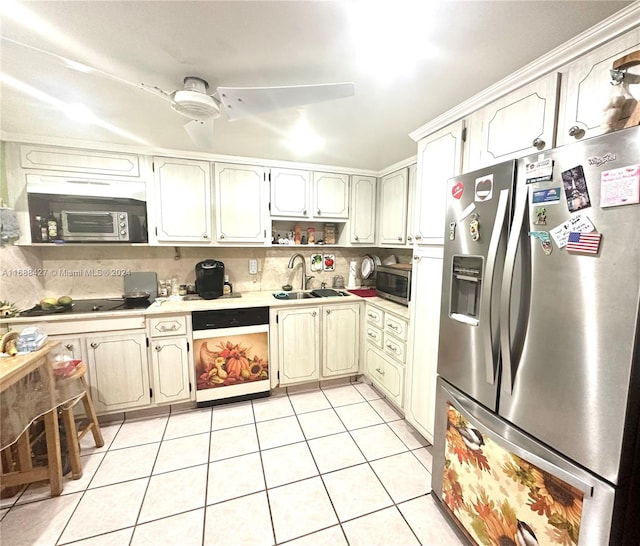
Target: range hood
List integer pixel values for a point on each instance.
(86, 187)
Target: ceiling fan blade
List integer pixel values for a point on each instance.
(241, 102)
(201, 132)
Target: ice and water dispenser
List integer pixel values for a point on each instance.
(466, 287)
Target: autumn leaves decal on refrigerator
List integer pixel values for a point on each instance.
(500, 498)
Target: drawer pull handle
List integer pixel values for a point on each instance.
(372, 315)
(392, 326)
(394, 348)
(371, 334)
(164, 327)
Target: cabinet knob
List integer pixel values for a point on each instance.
(304, 212)
(538, 143)
(399, 238)
(319, 212)
(158, 348)
(355, 238)
(416, 258)
(313, 314)
(222, 236)
(328, 311)
(576, 132)
(69, 347)
(205, 236)
(418, 237)
(94, 345)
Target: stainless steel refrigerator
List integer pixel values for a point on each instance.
(538, 396)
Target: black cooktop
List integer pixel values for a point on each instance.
(98, 305)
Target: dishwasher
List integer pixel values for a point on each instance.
(231, 354)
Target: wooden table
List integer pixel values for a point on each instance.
(29, 389)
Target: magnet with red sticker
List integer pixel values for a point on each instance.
(457, 190)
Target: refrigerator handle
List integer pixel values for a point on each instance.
(509, 367)
(466, 410)
(490, 350)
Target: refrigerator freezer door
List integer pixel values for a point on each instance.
(501, 487)
(573, 384)
(477, 219)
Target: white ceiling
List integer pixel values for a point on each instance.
(241, 43)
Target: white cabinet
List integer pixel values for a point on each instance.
(392, 200)
(290, 193)
(298, 344)
(317, 342)
(411, 202)
(586, 88)
(340, 339)
(170, 359)
(119, 370)
(385, 351)
(518, 124)
(303, 194)
(423, 340)
(362, 220)
(182, 200)
(330, 196)
(439, 159)
(241, 203)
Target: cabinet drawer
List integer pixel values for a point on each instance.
(374, 336)
(375, 316)
(396, 327)
(395, 348)
(167, 326)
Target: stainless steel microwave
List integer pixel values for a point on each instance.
(98, 226)
(393, 282)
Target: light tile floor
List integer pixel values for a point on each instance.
(337, 466)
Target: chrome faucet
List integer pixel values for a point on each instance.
(305, 278)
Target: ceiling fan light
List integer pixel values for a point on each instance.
(195, 105)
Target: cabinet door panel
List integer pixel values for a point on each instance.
(240, 210)
(290, 193)
(393, 208)
(170, 361)
(340, 339)
(331, 195)
(439, 159)
(387, 375)
(119, 371)
(586, 89)
(362, 219)
(183, 200)
(518, 124)
(299, 345)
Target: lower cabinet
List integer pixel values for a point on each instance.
(317, 342)
(170, 370)
(118, 370)
(385, 352)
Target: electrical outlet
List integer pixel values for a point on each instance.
(253, 266)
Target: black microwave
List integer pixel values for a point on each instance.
(393, 282)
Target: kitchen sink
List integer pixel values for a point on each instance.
(293, 295)
(318, 293)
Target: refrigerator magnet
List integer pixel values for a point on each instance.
(457, 190)
(575, 189)
(541, 216)
(545, 240)
(474, 227)
(484, 188)
(577, 223)
(620, 186)
(548, 196)
(539, 171)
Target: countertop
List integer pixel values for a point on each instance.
(174, 305)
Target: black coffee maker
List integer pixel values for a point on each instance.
(209, 279)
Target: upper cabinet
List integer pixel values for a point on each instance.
(520, 123)
(183, 200)
(439, 159)
(290, 192)
(362, 220)
(392, 226)
(411, 202)
(240, 203)
(586, 89)
(304, 194)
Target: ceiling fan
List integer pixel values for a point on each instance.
(195, 101)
